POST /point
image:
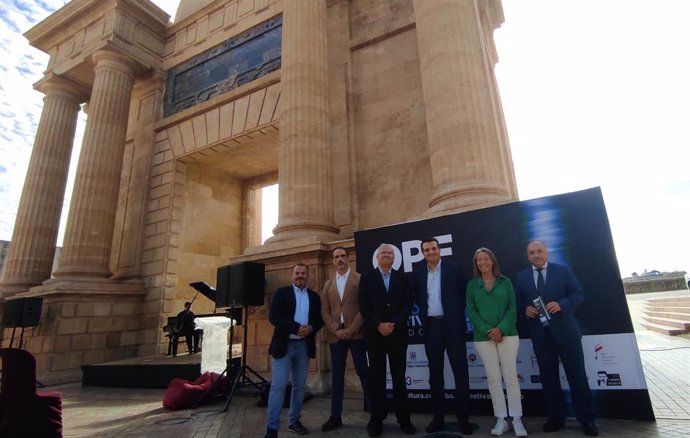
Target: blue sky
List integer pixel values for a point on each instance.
(595, 93)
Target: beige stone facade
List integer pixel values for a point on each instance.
(380, 112)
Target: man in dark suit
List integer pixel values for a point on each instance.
(385, 302)
(555, 335)
(296, 316)
(440, 294)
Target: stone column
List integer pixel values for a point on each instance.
(462, 122)
(89, 233)
(306, 203)
(29, 259)
(136, 172)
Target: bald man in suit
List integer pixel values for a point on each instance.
(385, 300)
(559, 337)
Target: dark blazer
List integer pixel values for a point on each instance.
(282, 316)
(453, 292)
(378, 305)
(560, 285)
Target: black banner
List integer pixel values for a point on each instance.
(575, 229)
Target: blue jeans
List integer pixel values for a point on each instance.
(338, 361)
(296, 361)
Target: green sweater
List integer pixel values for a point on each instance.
(492, 309)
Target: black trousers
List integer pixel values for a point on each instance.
(437, 340)
(396, 351)
(573, 361)
(189, 337)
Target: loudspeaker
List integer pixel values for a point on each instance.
(22, 312)
(240, 284)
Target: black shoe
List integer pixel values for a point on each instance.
(467, 428)
(375, 428)
(332, 423)
(590, 429)
(270, 433)
(408, 428)
(436, 425)
(298, 428)
(552, 425)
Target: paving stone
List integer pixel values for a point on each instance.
(138, 413)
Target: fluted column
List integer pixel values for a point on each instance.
(304, 176)
(89, 233)
(462, 121)
(29, 259)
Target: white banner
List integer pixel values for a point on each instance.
(611, 361)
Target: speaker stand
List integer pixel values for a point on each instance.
(14, 329)
(244, 374)
(21, 338)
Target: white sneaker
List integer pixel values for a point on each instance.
(518, 427)
(500, 428)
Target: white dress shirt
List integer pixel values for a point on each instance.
(340, 281)
(433, 291)
(301, 308)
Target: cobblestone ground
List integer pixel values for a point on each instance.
(121, 412)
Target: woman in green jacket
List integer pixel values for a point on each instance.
(491, 308)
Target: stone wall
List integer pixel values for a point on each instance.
(654, 285)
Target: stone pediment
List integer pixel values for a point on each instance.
(135, 28)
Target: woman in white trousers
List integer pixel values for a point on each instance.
(491, 308)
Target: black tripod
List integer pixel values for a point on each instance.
(237, 377)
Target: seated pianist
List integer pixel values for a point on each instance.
(183, 324)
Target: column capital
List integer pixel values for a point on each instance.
(65, 89)
(114, 60)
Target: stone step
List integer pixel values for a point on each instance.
(665, 308)
(681, 315)
(669, 322)
(670, 301)
(660, 328)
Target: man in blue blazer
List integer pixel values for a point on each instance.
(559, 336)
(440, 294)
(385, 302)
(296, 317)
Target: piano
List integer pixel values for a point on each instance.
(172, 328)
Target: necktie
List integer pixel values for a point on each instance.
(540, 281)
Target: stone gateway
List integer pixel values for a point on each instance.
(393, 104)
